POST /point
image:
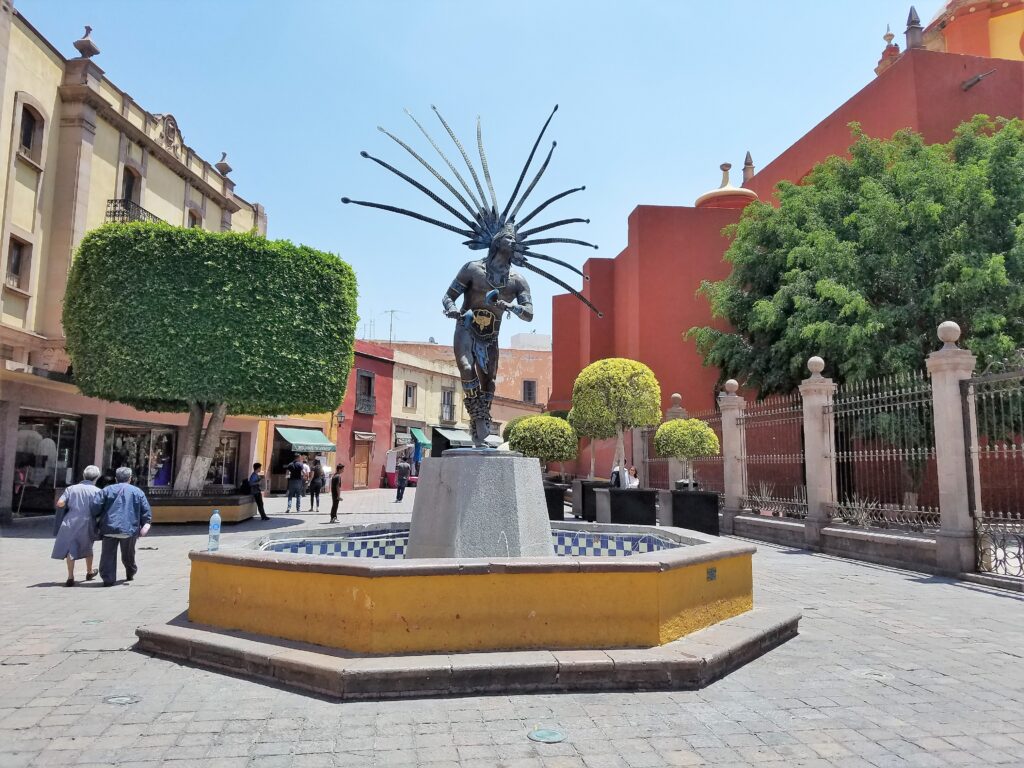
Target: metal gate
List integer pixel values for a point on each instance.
(993, 405)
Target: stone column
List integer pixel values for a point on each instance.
(732, 405)
(948, 367)
(9, 408)
(817, 393)
(676, 468)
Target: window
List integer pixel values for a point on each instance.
(410, 395)
(131, 189)
(365, 400)
(529, 391)
(448, 405)
(194, 220)
(17, 264)
(28, 130)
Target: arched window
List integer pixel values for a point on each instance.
(131, 186)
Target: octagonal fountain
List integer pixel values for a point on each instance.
(346, 611)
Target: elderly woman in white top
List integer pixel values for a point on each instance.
(75, 534)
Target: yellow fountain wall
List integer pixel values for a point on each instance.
(476, 612)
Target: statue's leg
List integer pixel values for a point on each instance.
(465, 358)
(488, 382)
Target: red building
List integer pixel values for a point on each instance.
(647, 292)
(364, 429)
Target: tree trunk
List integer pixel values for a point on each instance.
(591, 459)
(620, 455)
(204, 455)
(196, 415)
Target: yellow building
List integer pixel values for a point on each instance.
(82, 152)
(426, 393)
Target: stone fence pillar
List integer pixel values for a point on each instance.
(948, 367)
(817, 393)
(733, 469)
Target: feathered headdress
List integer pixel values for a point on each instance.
(484, 221)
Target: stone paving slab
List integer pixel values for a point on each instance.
(689, 663)
(891, 668)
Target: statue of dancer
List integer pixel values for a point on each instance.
(489, 287)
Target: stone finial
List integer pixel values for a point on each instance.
(816, 365)
(914, 33)
(890, 54)
(731, 386)
(222, 164)
(726, 167)
(85, 46)
(949, 334)
(748, 168)
(676, 410)
(677, 400)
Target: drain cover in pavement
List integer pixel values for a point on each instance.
(873, 674)
(93, 621)
(122, 700)
(546, 735)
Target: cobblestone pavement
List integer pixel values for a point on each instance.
(891, 669)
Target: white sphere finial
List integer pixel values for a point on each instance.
(731, 386)
(816, 365)
(677, 400)
(949, 334)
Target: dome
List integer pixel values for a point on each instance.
(726, 196)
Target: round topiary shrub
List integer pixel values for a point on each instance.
(686, 439)
(506, 432)
(545, 437)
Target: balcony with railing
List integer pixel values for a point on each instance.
(123, 211)
(448, 413)
(366, 404)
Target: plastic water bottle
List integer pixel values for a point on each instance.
(214, 542)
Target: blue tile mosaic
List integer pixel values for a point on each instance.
(391, 544)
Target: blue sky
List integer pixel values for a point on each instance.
(653, 97)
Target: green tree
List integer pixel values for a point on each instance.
(547, 438)
(506, 432)
(686, 440)
(611, 396)
(862, 260)
(173, 319)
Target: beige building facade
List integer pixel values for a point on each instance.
(77, 151)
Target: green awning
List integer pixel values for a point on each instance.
(306, 439)
(457, 438)
(418, 436)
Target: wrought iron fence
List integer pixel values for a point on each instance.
(886, 475)
(122, 211)
(994, 424)
(708, 471)
(773, 457)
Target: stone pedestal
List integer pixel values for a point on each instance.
(480, 503)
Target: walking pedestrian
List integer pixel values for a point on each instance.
(317, 480)
(336, 491)
(256, 487)
(75, 533)
(402, 471)
(122, 515)
(296, 483)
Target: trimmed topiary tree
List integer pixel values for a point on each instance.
(686, 440)
(547, 438)
(506, 432)
(173, 319)
(611, 396)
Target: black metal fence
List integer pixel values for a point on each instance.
(123, 211)
(886, 475)
(773, 457)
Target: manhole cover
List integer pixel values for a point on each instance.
(93, 621)
(546, 735)
(123, 700)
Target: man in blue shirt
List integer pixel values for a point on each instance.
(122, 514)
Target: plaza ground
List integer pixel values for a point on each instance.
(891, 668)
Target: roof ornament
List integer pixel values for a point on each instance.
(914, 32)
(85, 46)
(748, 168)
(222, 164)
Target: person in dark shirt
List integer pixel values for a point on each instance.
(336, 491)
(402, 471)
(296, 472)
(256, 488)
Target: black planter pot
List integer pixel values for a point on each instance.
(633, 506)
(554, 495)
(696, 511)
(588, 499)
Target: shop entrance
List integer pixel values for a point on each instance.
(147, 451)
(44, 462)
(361, 468)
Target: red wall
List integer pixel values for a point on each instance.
(377, 359)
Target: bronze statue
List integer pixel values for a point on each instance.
(489, 287)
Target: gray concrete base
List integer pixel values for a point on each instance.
(686, 664)
(470, 504)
